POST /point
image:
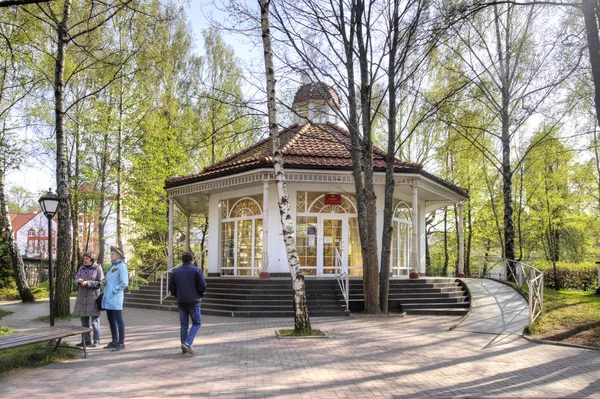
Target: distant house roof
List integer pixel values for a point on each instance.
(18, 220)
(307, 146)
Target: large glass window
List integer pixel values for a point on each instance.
(241, 236)
(401, 240)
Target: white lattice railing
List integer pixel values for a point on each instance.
(343, 278)
(519, 273)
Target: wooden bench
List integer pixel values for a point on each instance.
(45, 334)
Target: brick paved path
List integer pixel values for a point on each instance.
(365, 357)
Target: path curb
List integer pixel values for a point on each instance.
(556, 343)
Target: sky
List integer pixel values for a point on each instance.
(38, 176)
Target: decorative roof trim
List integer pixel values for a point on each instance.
(322, 176)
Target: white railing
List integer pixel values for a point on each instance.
(519, 273)
(342, 276)
(201, 259)
(164, 283)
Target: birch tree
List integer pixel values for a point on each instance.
(514, 79)
(301, 319)
(75, 26)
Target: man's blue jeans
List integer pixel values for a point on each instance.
(187, 312)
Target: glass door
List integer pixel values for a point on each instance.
(332, 241)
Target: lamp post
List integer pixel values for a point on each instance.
(49, 205)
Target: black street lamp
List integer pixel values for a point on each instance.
(49, 205)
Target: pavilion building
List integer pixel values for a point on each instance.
(239, 196)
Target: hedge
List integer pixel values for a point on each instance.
(571, 276)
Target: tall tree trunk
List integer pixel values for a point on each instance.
(119, 165)
(591, 11)
(301, 319)
(388, 207)
(504, 72)
(13, 249)
(64, 244)
(597, 164)
(369, 246)
(104, 165)
(469, 239)
(446, 260)
(456, 230)
(75, 203)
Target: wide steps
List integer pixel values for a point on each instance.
(243, 297)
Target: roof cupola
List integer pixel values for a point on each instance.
(315, 102)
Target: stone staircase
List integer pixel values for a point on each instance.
(424, 296)
(243, 297)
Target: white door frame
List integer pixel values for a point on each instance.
(320, 240)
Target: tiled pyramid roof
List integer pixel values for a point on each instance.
(307, 146)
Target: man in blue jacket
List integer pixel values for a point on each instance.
(187, 284)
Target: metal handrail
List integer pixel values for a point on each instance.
(164, 283)
(342, 278)
(520, 273)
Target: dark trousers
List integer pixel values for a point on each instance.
(117, 326)
(185, 314)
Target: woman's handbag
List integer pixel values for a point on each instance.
(99, 301)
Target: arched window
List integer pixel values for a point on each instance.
(31, 233)
(401, 239)
(241, 236)
(317, 205)
(42, 232)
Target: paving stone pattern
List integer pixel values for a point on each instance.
(416, 356)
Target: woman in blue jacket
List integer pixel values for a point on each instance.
(117, 280)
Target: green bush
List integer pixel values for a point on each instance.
(41, 291)
(571, 276)
(9, 293)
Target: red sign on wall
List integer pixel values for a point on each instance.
(333, 199)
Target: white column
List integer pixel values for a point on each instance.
(187, 232)
(461, 234)
(415, 233)
(170, 250)
(265, 253)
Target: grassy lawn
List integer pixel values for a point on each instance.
(30, 355)
(569, 316)
(46, 319)
(303, 333)
(4, 313)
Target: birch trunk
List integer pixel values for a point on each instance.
(13, 249)
(301, 319)
(64, 237)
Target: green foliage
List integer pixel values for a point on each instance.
(571, 276)
(6, 271)
(46, 319)
(41, 291)
(33, 356)
(4, 313)
(9, 293)
(570, 316)
(301, 333)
